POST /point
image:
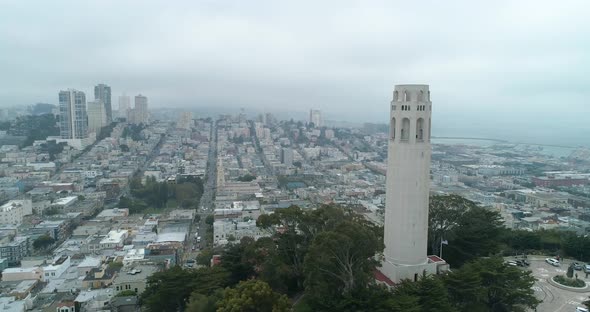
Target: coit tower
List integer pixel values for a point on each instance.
(408, 184)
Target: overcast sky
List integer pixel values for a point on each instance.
(514, 61)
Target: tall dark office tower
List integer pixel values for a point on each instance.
(102, 92)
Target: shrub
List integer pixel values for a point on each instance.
(569, 281)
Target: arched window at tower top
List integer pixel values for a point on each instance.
(407, 96)
(405, 130)
(421, 96)
(395, 95)
(420, 130)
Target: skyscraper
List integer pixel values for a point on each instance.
(124, 106)
(140, 111)
(408, 186)
(315, 117)
(102, 92)
(73, 117)
(287, 156)
(185, 121)
(97, 117)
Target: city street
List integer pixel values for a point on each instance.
(206, 203)
(554, 299)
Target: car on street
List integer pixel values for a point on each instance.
(577, 266)
(587, 268)
(511, 263)
(552, 261)
(580, 309)
(522, 263)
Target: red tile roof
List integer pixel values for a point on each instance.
(382, 278)
(435, 259)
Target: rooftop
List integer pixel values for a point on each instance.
(65, 200)
(136, 273)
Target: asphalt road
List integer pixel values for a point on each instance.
(206, 202)
(555, 299)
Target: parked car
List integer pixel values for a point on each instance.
(577, 266)
(580, 309)
(552, 261)
(512, 263)
(587, 268)
(522, 263)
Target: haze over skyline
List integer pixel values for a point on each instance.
(493, 67)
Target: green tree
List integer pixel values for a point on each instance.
(233, 259)
(247, 178)
(253, 296)
(477, 234)
(340, 262)
(204, 257)
(115, 265)
(488, 284)
(443, 215)
(43, 241)
(124, 148)
(373, 298)
(430, 291)
(209, 219)
(201, 303)
(169, 291)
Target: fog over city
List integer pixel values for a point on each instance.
(507, 69)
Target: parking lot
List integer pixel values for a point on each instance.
(555, 299)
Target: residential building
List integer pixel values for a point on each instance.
(287, 156)
(102, 92)
(134, 278)
(315, 117)
(87, 265)
(13, 211)
(56, 268)
(96, 116)
(99, 278)
(124, 106)
(14, 250)
(73, 116)
(115, 239)
(21, 274)
(139, 114)
(125, 304)
(185, 121)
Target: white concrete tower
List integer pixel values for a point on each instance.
(408, 184)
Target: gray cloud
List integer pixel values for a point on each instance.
(501, 59)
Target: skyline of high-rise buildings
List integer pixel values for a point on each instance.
(79, 118)
(73, 116)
